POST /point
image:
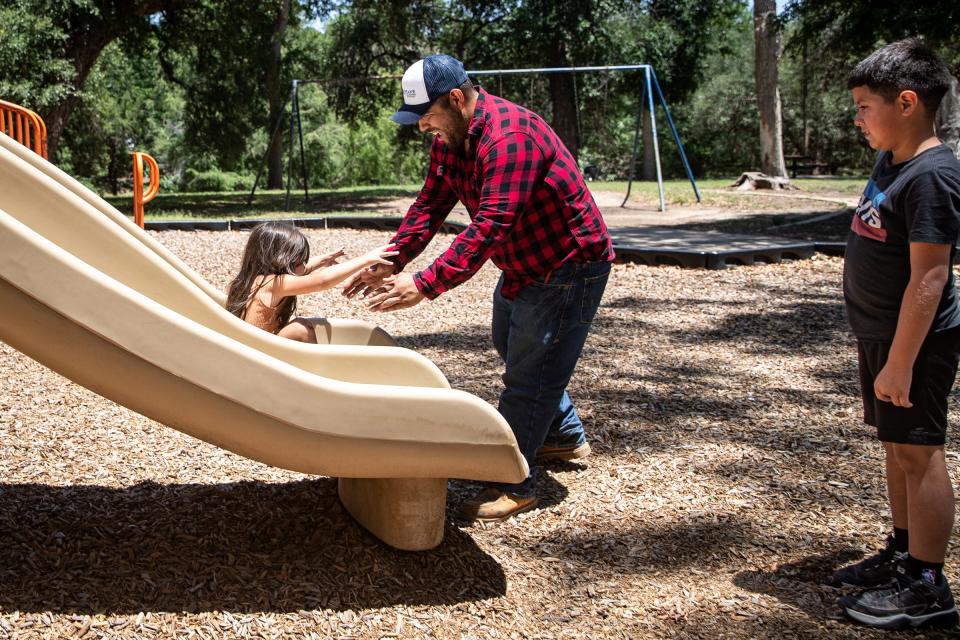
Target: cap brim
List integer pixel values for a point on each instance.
(405, 117)
(410, 114)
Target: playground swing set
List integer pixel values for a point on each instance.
(27, 128)
(649, 87)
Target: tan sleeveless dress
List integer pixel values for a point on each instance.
(260, 315)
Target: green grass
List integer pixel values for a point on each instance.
(650, 187)
(672, 188)
(846, 186)
(353, 201)
(210, 205)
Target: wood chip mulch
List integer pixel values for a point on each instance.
(730, 475)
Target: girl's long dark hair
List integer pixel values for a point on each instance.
(274, 248)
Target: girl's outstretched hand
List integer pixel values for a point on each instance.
(329, 259)
(367, 280)
(382, 255)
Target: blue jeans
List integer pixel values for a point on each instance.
(539, 335)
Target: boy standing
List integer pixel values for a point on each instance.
(902, 304)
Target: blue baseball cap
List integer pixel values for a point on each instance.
(424, 81)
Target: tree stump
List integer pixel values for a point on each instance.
(752, 180)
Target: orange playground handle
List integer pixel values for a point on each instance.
(139, 197)
(24, 126)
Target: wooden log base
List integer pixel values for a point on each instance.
(405, 513)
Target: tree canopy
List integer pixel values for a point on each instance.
(200, 84)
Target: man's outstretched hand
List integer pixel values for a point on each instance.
(397, 292)
(367, 281)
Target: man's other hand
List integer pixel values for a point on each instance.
(366, 281)
(400, 293)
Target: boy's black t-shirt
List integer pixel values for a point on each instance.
(914, 201)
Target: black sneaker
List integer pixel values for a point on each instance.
(875, 571)
(905, 603)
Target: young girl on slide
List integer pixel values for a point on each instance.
(276, 268)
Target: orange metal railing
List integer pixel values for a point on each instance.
(139, 197)
(24, 126)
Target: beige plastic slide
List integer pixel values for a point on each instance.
(90, 295)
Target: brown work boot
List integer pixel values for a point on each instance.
(562, 452)
(493, 505)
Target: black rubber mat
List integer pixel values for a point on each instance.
(648, 245)
(703, 249)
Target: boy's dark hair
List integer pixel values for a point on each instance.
(906, 65)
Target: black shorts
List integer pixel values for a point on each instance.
(933, 375)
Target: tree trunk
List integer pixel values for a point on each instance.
(114, 170)
(83, 57)
(803, 99)
(767, 47)
(948, 118)
(275, 98)
(56, 121)
(565, 111)
(89, 34)
(564, 100)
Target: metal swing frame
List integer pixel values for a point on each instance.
(649, 87)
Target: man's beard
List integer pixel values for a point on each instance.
(458, 135)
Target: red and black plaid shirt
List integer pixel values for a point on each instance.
(529, 207)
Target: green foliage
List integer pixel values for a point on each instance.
(828, 109)
(215, 180)
(33, 70)
(367, 38)
(126, 106)
(842, 32)
(825, 40)
(342, 153)
(677, 37)
(719, 124)
(217, 52)
(190, 81)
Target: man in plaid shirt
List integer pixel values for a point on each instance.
(532, 215)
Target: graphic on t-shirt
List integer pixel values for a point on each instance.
(867, 221)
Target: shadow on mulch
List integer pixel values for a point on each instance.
(701, 541)
(640, 304)
(813, 570)
(473, 339)
(245, 546)
(805, 327)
